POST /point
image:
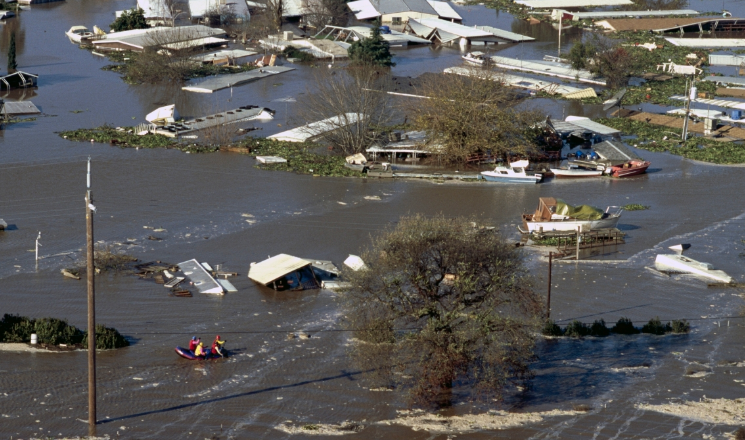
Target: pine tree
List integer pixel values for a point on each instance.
(12, 65)
(371, 51)
(129, 20)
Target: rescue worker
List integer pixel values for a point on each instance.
(217, 346)
(199, 352)
(193, 343)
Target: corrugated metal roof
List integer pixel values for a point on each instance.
(363, 9)
(619, 14)
(727, 103)
(527, 83)
(20, 108)
(549, 4)
(394, 38)
(739, 80)
(591, 125)
(615, 151)
(707, 42)
(275, 268)
(141, 38)
(444, 10)
(453, 28)
(308, 131)
(222, 54)
(726, 60)
(200, 277)
(199, 8)
(507, 35)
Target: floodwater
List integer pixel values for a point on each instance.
(146, 391)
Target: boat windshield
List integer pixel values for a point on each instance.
(517, 170)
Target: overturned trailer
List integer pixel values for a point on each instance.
(284, 272)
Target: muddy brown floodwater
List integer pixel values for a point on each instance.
(273, 387)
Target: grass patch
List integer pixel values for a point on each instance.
(635, 207)
(52, 331)
(302, 158)
(551, 329)
(293, 52)
(126, 138)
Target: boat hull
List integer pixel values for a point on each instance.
(575, 174)
(681, 264)
(572, 225)
(188, 354)
(635, 170)
(510, 179)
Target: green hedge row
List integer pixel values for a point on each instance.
(14, 328)
(624, 326)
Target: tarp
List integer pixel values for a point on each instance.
(581, 212)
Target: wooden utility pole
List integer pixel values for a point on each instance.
(90, 272)
(548, 299)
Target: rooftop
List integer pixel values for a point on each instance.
(275, 268)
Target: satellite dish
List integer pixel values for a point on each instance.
(614, 101)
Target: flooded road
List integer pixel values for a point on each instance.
(202, 202)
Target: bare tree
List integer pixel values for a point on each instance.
(167, 57)
(472, 112)
(441, 300)
(275, 10)
(353, 98)
(326, 12)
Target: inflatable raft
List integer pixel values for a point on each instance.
(188, 354)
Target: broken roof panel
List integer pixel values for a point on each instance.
(726, 60)
(630, 14)
(592, 126)
(662, 24)
(728, 103)
(548, 4)
(547, 68)
(138, 39)
(507, 35)
(275, 268)
(444, 10)
(200, 277)
(614, 151)
(309, 131)
(453, 28)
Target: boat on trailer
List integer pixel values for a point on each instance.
(556, 215)
(516, 172)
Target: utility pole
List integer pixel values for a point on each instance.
(688, 111)
(579, 237)
(561, 17)
(548, 300)
(90, 272)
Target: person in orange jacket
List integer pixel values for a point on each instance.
(217, 345)
(193, 343)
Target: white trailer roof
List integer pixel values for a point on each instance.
(549, 4)
(739, 80)
(444, 10)
(707, 42)
(452, 28)
(525, 82)
(275, 268)
(547, 68)
(199, 8)
(591, 125)
(308, 131)
(726, 60)
(629, 14)
(727, 103)
(507, 35)
(200, 277)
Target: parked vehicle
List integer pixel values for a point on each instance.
(556, 215)
(514, 173)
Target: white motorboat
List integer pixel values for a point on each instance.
(555, 215)
(681, 264)
(515, 173)
(475, 58)
(573, 171)
(79, 33)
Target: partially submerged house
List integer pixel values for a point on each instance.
(445, 32)
(399, 12)
(351, 34)
(18, 80)
(560, 14)
(582, 127)
(316, 130)
(284, 272)
(173, 38)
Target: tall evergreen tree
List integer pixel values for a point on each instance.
(12, 64)
(371, 51)
(129, 20)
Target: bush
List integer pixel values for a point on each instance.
(292, 52)
(129, 20)
(656, 327)
(624, 326)
(599, 329)
(106, 338)
(740, 433)
(56, 331)
(577, 329)
(15, 328)
(682, 326)
(551, 329)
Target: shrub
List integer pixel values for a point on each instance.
(740, 433)
(129, 20)
(551, 329)
(293, 52)
(577, 329)
(106, 338)
(56, 331)
(16, 328)
(682, 326)
(656, 327)
(624, 326)
(599, 329)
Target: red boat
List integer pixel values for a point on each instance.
(630, 168)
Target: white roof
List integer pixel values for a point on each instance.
(199, 8)
(200, 277)
(195, 43)
(293, 8)
(444, 10)
(548, 4)
(141, 38)
(304, 133)
(548, 68)
(275, 268)
(726, 60)
(451, 28)
(590, 125)
(221, 54)
(363, 9)
(167, 113)
(630, 14)
(707, 42)
(727, 103)
(394, 38)
(507, 35)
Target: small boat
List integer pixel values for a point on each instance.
(681, 264)
(79, 33)
(515, 173)
(188, 354)
(630, 168)
(475, 58)
(575, 172)
(556, 215)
